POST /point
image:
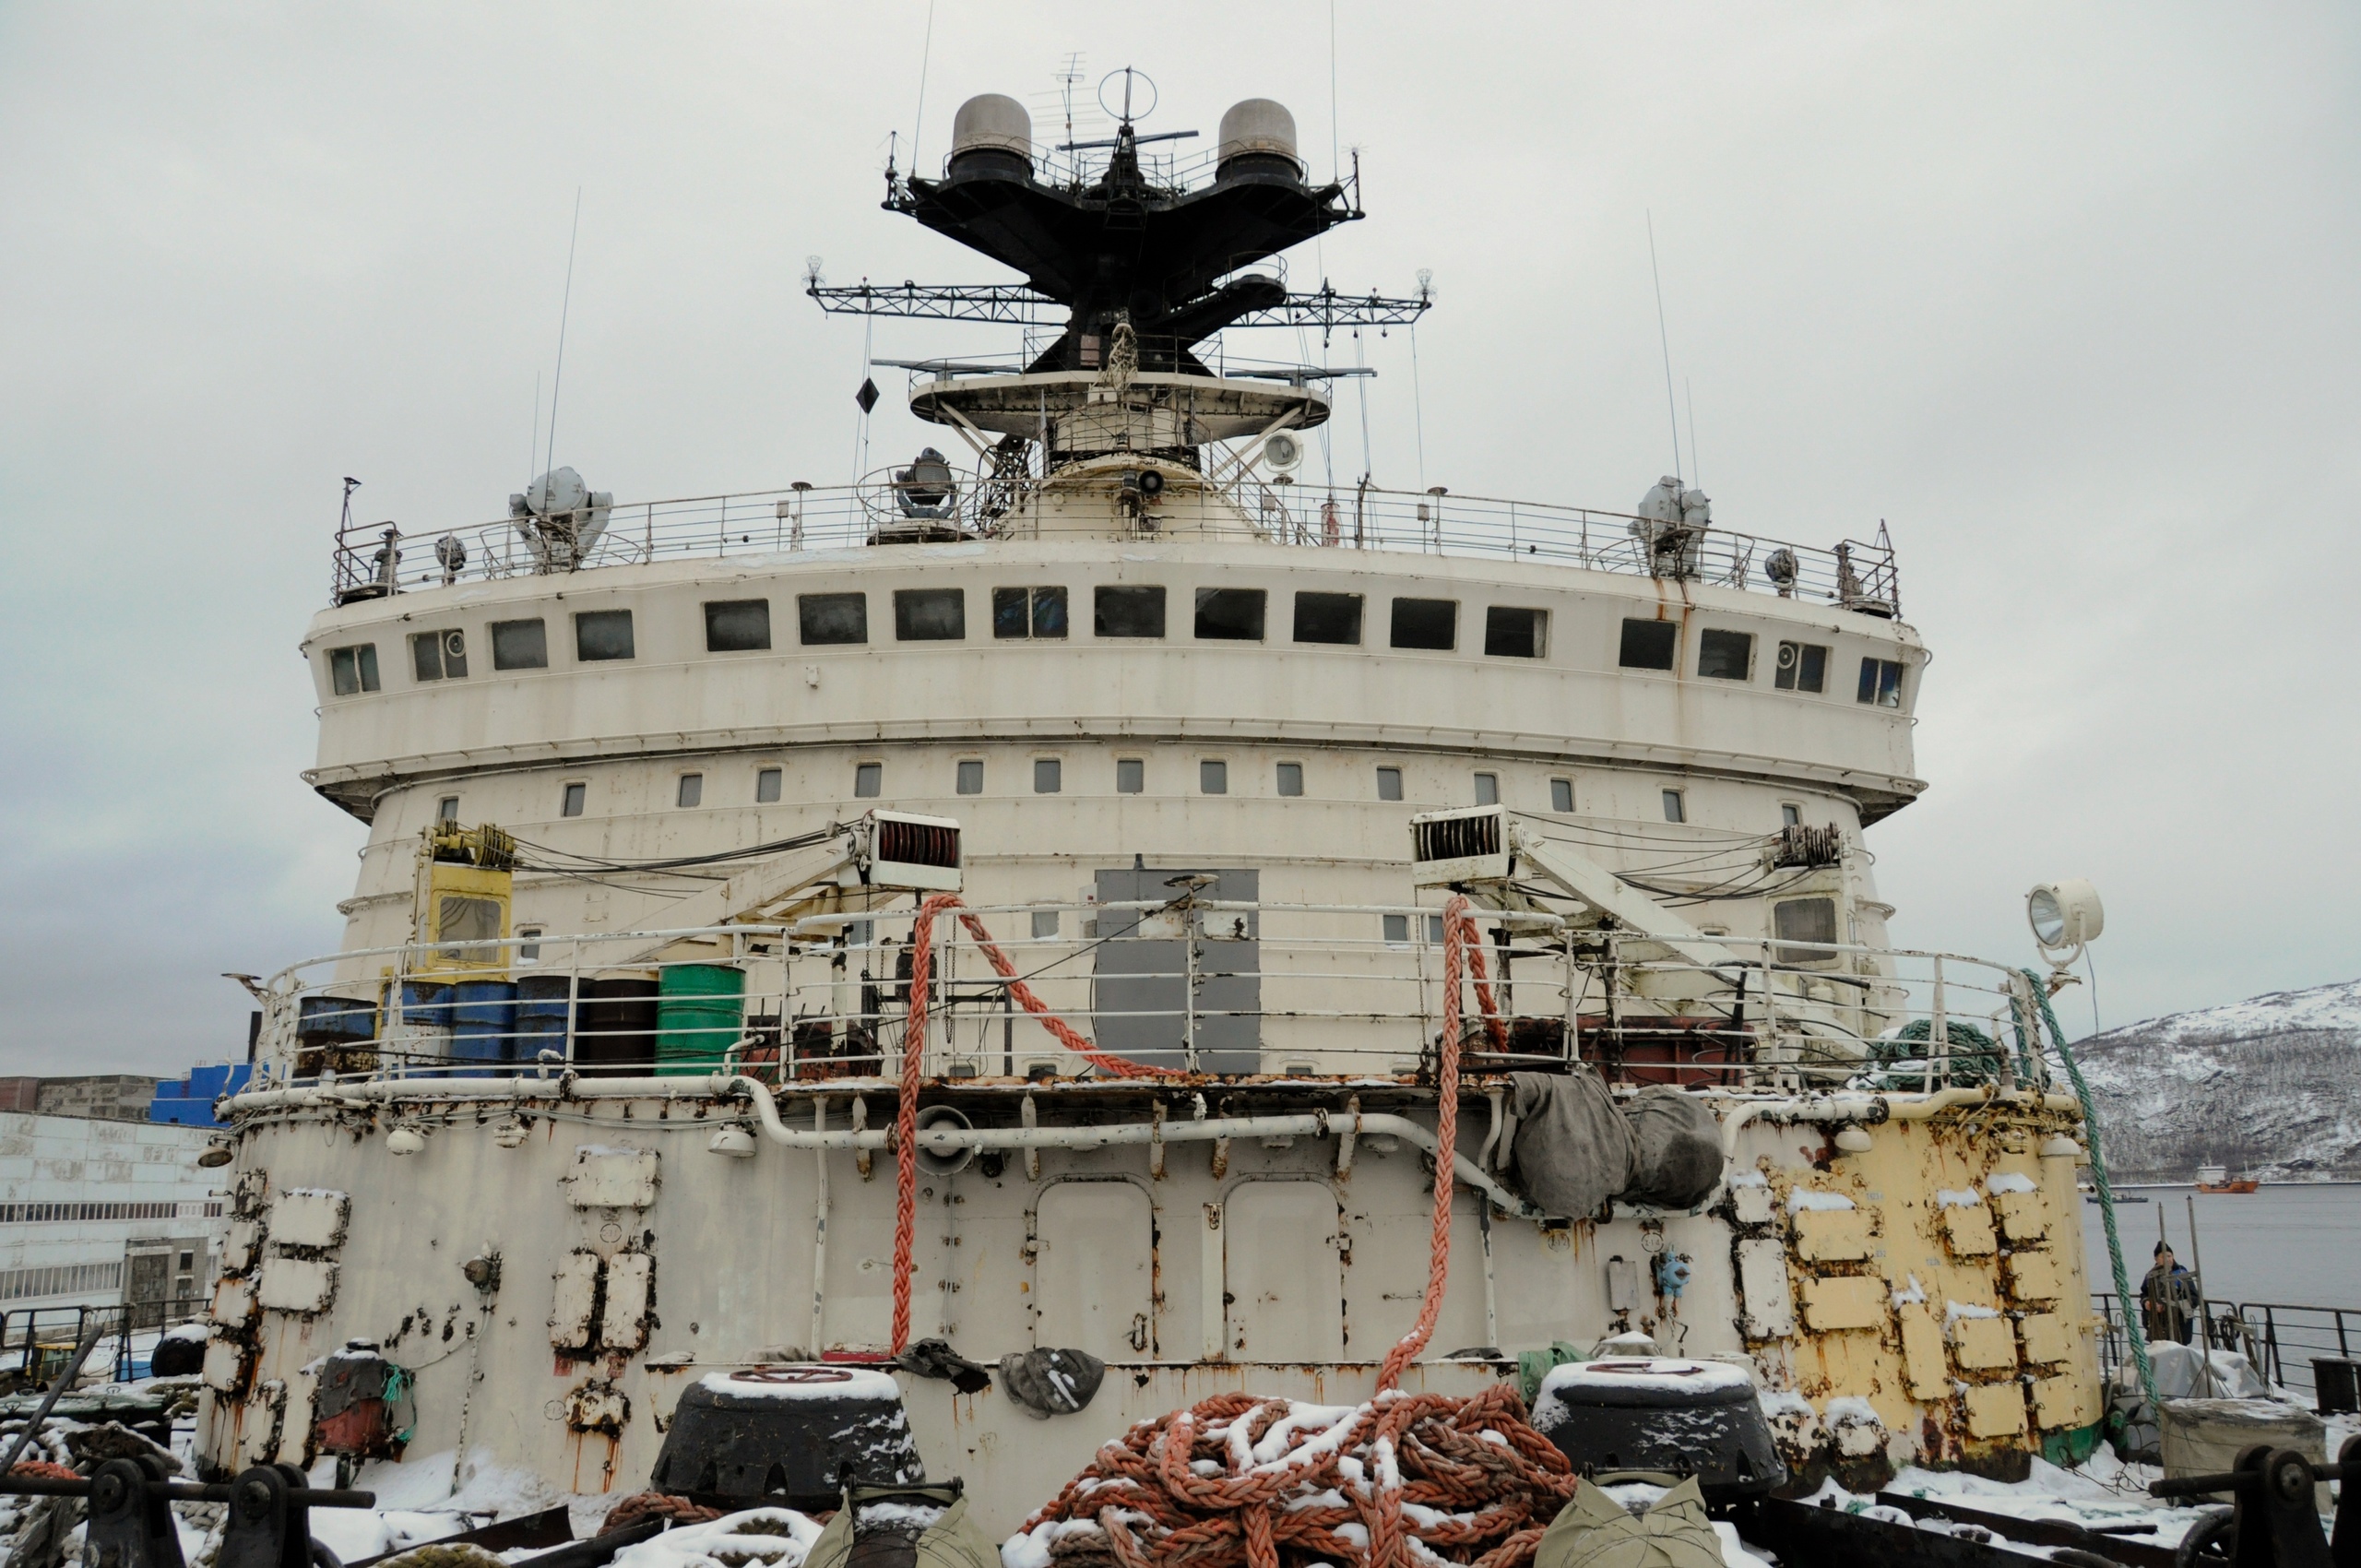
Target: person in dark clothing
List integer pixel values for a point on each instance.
(2168, 1299)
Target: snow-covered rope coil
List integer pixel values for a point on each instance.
(905, 1114)
(1400, 1482)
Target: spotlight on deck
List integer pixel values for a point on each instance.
(2064, 916)
(215, 1155)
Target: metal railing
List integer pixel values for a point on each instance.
(1194, 984)
(37, 1343)
(2279, 1340)
(1853, 575)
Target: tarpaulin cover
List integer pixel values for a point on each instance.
(1679, 1148)
(1574, 1150)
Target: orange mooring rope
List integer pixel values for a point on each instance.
(906, 1124)
(1462, 946)
(1404, 1482)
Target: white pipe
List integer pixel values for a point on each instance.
(949, 1140)
(820, 1234)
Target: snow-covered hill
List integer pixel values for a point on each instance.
(2270, 1086)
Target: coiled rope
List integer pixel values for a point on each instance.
(906, 1116)
(2134, 1331)
(1408, 1481)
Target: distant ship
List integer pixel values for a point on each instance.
(2217, 1178)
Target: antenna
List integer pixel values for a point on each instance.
(1066, 77)
(536, 438)
(926, 52)
(565, 310)
(1664, 343)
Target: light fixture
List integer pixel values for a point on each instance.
(1855, 1140)
(735, 1142)
(2064, 915)
(216, 1155)
(405, 1140)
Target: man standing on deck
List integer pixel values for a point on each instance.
(2169, 1298)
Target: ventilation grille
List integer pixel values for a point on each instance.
(918, 843)
(1458, 837)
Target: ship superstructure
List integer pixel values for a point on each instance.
(599, 1095)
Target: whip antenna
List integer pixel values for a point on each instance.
(565, 310)
(1664, 343)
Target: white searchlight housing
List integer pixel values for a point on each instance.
(2064, 916)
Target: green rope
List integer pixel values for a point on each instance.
(2133, 1330)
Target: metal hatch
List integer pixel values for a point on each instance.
(1186, 983)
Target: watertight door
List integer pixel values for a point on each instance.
(1284, 1273)
(1094, 1273)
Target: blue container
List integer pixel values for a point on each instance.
(541, 1010)
(329, 1020)
(483, 1025)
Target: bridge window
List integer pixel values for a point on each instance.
(1328, 618)
(1488, 788)
(766, 783)
(1131, 775)
(867, 780)
(929, 616)
(1725, 656)
(1213, 777)
(1881, 682)
(1049, 776)
(1045, 923)
(1516, 634)
(691, 790)
(1426, 623)
(1291, 779)
(1803, 667)
(968, 777)
(1127, 611)
(1649, 645)
(353, 670)
(1028, 612)
(439, 656)
(519, 644)
(824, 618)
(1389, 783)
(448, 810)
(577, 797)
(1675, 806)
(1561, 794)
(603, 634)
(1230, 614)
(737, 625)
(1790, 814)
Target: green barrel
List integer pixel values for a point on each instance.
(700, 1010)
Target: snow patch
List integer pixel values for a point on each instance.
(855, 1382)
(2008, 1181)
(1910, 1293)
(1803, 1198)
(1951, 1198)
(1954, 1311)
(1654, 1371)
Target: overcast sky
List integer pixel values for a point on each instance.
(2067, 295)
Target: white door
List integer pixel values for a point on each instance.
(1283, 1273)
(1093, 1270)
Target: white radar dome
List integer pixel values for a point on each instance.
(1261, 133)
(995, 125)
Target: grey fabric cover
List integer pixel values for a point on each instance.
(1574, 1150)
(1050, 1383)
(1679, 1145)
